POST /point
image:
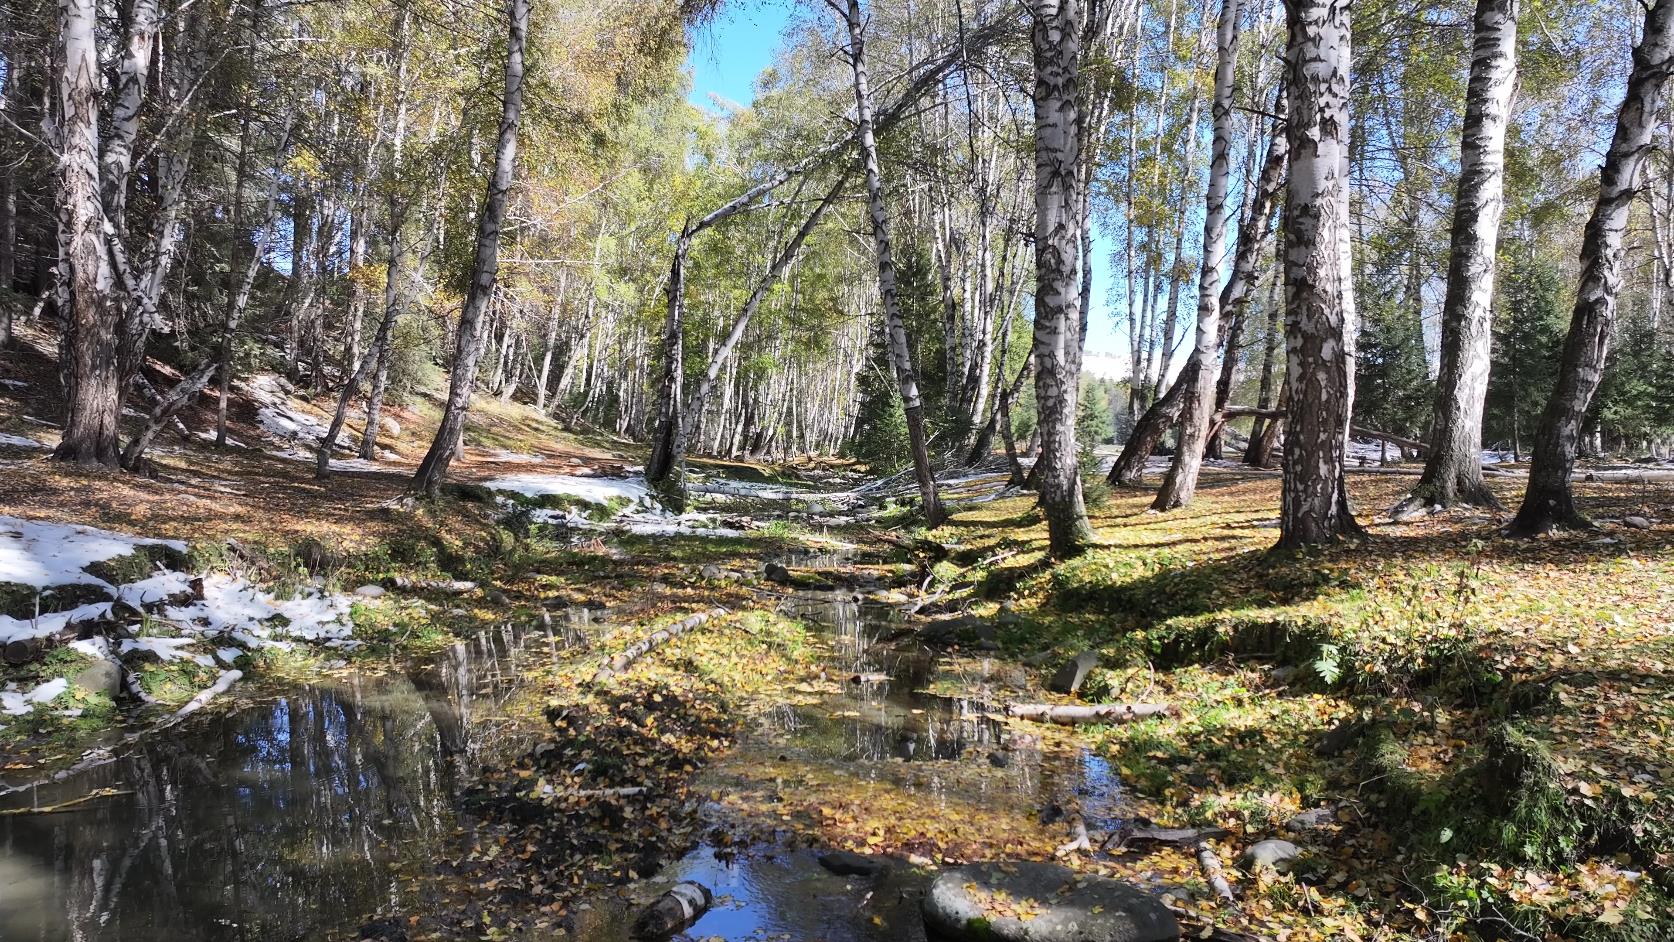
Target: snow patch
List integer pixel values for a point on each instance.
(502, 456)
(13, 703)
(40, 554)
(49, 623)
(592, 490)
(18, 441)
(235, 606)
(167, 649)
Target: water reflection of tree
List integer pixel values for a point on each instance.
(280, 821)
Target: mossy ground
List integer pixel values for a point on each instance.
(1517, 768)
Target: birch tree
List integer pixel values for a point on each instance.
(485, 268)
(1453, 467)
(1055, 39)
(900, 348)
(1549, 502)
(88, 348)
(1319, 307)
(1199, 398)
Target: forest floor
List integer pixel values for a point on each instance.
(1464, 736)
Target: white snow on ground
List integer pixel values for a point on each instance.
(502, 456)
(18, 441)
(208, 435)
(13, 383)
(337, 464)
(155, 589)
(231, 604)
(167, 649)
(649, 523)
(46, 556)
(39, 554)
(14, 703)
(592, 490)
(762, 491)
(22, 629)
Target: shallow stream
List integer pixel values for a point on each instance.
(289, 817)
(293, 816)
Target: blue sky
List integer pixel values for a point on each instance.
(729, 53)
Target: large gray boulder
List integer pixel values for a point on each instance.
(1070, 677)
(1026, 901)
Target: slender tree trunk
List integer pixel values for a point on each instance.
(1453, 469)
(1319, 328)
(1269, 358)
(1549, 501)
(1199, 400)
(377, 357)
(1056, 44)
(92, 397)
(900, 349)
(485, 269)
(722, 355)
(1160, 416)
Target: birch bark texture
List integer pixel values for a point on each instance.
(900, 350)
(1055, 37)
(1319, 305)
(1549, 502)
(88, 347)
(485, 267)
(1453, 469)
(1198, 406)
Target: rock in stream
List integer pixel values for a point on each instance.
(1025, 901)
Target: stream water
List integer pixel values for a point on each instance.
(780, 892)
(295, 815)
(285, 819)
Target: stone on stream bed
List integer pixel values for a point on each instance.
(985, 901)
(846, 863)
(1272, 854)
(1072, 675)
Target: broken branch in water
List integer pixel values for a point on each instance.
(1093, 713)
(72, 803)
(652, 641)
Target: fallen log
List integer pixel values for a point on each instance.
(221, 685)
(1213, 872)
(651, 642)
(674, 911)
(1091, 713)
(21, 651)
(1357, 431)
(1628, 477)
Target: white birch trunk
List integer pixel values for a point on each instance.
(1453, 469)
(1319, 325)
(1199, 405)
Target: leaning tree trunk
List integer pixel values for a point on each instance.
(723, 354)
(1160, 416)
(378, 353)
(1453, 471)
(1319, 328)
(93, 394)
(485, 269)
(1549, 502)
(1199, 400)
(1056, 42)
(900, 349)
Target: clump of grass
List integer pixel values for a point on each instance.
(1531, 818)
